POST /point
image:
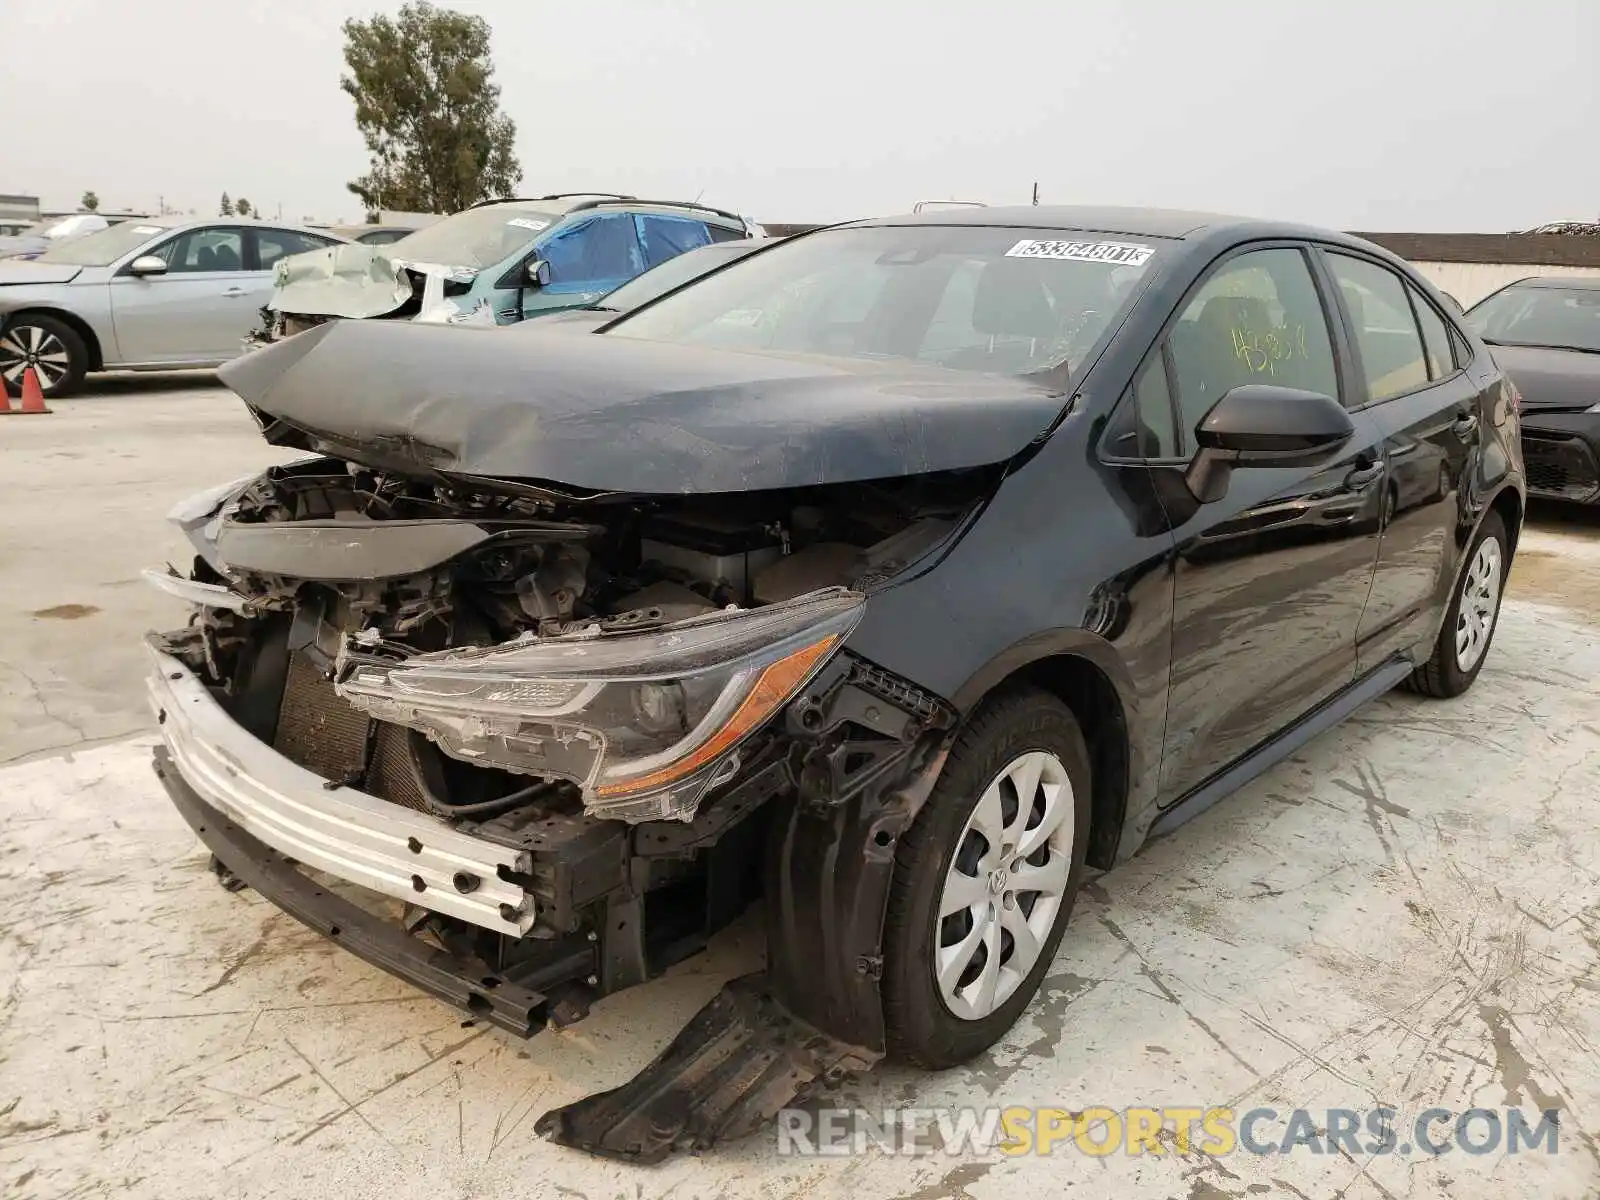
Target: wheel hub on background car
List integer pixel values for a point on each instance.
(24, 346)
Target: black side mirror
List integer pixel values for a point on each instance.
(1262, 425)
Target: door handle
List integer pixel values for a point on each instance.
(234, 291)
(1465, 427)
(1361, 476)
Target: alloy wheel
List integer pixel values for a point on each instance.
(23, 346)
(1004, 886)
(1480, 600)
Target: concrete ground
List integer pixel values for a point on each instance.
(1407, 913)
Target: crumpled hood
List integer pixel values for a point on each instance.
(23, 270)
(349, 280)
(1551, 379)
(610, 413)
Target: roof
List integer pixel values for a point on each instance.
(1566, 283)
(1530, 249)
(188, 222)
(1142, 222)
(566, 202)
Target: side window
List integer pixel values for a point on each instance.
(1435, 336)
(667, 237)
(600, 253)
(1143, 425)
(273, 244)
(205, 250)
(1257, 319)
(722, 233)
(1385, 329)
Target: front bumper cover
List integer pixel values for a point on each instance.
(377, 845)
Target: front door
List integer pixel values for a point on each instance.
(199, 311)
(1271, 579)
(1428, 410)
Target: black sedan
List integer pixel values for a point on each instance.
(900, 571)
(1546, 334)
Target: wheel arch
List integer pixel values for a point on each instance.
(77, 324)
(1086, 674)
(1509, 504)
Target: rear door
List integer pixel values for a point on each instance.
(195, 313)
(1409, 379)
(1271, 579)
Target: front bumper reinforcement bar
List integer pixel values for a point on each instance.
(470, 984)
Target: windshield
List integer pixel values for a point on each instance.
(476, 237)
(1540, 316)
(673, 273)
(105, 247)
(974, 299)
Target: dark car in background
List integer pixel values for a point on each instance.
(899, 572)
(1545, 332)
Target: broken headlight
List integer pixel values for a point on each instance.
(644, 722)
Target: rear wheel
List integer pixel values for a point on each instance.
(51, 347)
(985, 880)
(1470, 621)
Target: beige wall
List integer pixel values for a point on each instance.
(1471, 282)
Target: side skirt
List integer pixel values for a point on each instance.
(1325, 716)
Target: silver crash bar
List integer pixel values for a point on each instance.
(348, 834)
(207, 595)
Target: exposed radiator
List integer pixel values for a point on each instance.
(317, 729)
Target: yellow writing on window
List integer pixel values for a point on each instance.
(1263, 352)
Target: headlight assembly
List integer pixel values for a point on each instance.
(643, 722)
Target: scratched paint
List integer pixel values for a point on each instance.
(1405, 912)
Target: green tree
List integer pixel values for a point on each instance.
(90, 202)
(226, 208)
(242, 207)
(428, 108)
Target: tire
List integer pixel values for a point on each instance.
(51, 346)
(1450, 671)
(923, 1025)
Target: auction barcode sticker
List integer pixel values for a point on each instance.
(1121, 253)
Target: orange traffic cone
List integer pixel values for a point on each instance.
(32, 393)
(5, 397)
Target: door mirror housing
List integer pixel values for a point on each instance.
(1262, 425)
(538, 273)
(148, 264)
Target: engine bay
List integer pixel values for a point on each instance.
(437, 564)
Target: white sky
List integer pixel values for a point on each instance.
(1362, 114)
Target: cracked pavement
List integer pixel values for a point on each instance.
(1407, 912)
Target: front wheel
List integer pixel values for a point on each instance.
(985, 880)
(51, 347)
(1469, 623)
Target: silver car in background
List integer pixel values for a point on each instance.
(143, 295)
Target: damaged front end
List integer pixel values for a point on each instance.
(356, 281)
(555, 740)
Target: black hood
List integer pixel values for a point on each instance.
(610, 413)
(1552, 379)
